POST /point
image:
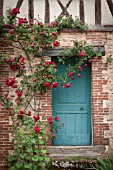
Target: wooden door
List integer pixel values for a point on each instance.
(73, 107)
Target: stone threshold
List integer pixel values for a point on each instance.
(75, 151)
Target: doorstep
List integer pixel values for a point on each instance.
(75, 151)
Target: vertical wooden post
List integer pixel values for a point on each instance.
(1, 8)
(30, 10)
(47, 12)
(81, 9)
(97, 12)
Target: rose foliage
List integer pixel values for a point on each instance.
(31, 79)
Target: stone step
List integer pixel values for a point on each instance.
(75, 151)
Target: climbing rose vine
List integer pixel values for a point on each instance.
(32, 79)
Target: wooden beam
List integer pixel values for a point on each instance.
(1, 9)
(47, 11)
(19, 4)
(31, 10)
(64, 9)
(81, 9)
(110, 4)
(68, 4)
(97, 12)
(57, 52)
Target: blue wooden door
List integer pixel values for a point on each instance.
(73, 107)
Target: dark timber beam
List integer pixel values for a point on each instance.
(31, 10)
(47, 11)
(57, 52)
(97, 12)
(64, 9)
(18, 6)
(81, 9)
(1, 8)
(110, 4)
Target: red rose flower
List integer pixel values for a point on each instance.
(10, 82)
(55, 24)
(19, 102)
(11, 32)
(72, 77)
(36, 118)
(57, 118)
(65, 86)
(70, 74)
(22, 112)
(5, 25)
(54, 136)
(14, 86)
(49, 119)
(12, 26)
(24, 147)
(85, 65)
(55, 84)
(82, 53)
(80, 68)
(41, 24)
(62, 124)
(23, 47)
(21, 21)
(46, 84)
(32, 45)
(68, 85)
(19, 93)
(56, 44)
(29, 113)
(89, 61)
(80, 45)
(79, 75)
(14, 11)
(36, 129)
(31, 23)
(75, 41)
(54, 33)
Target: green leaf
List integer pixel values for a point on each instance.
(19, 164)
(23, 155)
(28, 165)
(41, 142)
(47, 159)
(40, 164)
(33, 141)
(43, 151)
(20, 145)
(29, 150)
(35, 158)
(12, 158)
(13, 168)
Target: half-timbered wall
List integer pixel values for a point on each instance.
(92, 12)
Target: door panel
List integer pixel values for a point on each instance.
(73, 107)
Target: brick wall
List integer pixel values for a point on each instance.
(5, 127)
(102, 85)
(102, 93)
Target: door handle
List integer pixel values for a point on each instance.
(81, 108)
